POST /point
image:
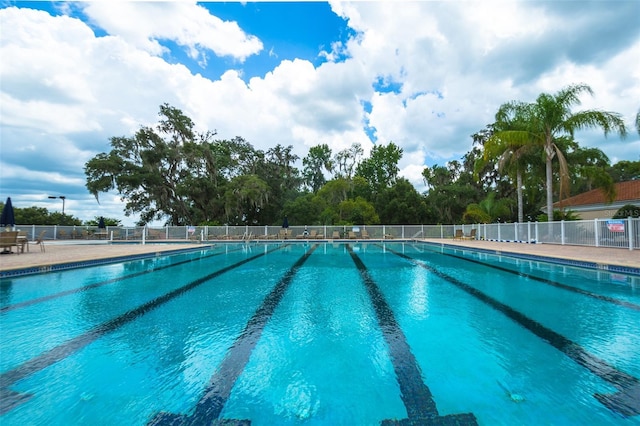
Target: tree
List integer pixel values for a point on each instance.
(488, 210)
(357, 211)
(625, 170)
(380, 170)
(346, 160)
(452, 188)
(318, 159)
(550, 118)
(152, 170)
(245, 196)
(401, 204)
(283, 180)
(41, 216)
(108, 221)
(589, 169)
(306, 209)
(628, 210)
(511, 154)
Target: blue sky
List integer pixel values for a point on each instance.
(425, 75)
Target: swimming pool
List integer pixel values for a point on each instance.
(322, 334)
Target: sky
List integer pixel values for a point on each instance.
(424, 75)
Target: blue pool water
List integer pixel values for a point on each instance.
(322, 334)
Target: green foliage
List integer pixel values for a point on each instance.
(628, 210)
(559, 215)
(452, 188)
(306, 209)
(624, 171)
(318, 159)
(380, 170)
(488, 210)
(357, 211)
(345, 161)
(401, 204)
(108, 221)
(41, 216)
(172, 172)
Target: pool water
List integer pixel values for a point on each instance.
(322, 334)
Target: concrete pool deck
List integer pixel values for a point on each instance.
(62, 253)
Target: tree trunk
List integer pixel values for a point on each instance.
(549, 189)
(519, 192)
(548, 148)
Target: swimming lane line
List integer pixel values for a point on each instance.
(552, 283)
(625, 402)
(415, 394)
(217, 392)
(26, 303)
(10, 399)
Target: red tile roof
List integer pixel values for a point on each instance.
(625, 191)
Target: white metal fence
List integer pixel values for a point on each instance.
(624, 233)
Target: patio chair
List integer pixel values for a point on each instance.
(365, 234)
(352, 235)
(459, 235)
(336, 235)
(40, 240)
(8, 240)
(22, 241)
(471, 235)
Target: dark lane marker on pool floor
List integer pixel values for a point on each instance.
(552, 283)
(416, 396)
(217, 392)
(10, 399)
(625, 402)
(26, 303)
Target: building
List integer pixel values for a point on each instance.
(593, 204)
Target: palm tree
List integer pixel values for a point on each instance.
(488, 210)
(508, 147)
(550, 118)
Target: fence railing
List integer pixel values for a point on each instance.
(623, 233)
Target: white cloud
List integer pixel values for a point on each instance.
(145, 24)
(65, 91)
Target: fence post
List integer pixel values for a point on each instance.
(595, 232)
(499, 234)
(144, 235)
(536, 229)
(631, 236)
(562, 232)
(515, 231)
